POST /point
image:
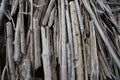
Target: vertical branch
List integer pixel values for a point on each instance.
(64, 53)
(94, 58)
(46, 56)
(22, 31)
(71, 71)
(37, 48)
(32, 38)
(77, 43)
(78, 9)
(10, 50)
(17, 49)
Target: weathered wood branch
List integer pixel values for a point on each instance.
(77, 42)
(105, 39)
(22, 28)
(48, 12)
(37, 47)
(17, 48)
(46, 55)
(94, 56)
(70, 53)
(10, 51)
(64, 49)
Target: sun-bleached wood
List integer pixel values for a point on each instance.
(46, 55)
(48, 12)
(17, 48)
(10, 51)
(94, 56)
(77, 43)
(37, 48)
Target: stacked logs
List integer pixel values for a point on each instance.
(61, 39)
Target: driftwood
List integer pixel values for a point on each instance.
(64, 49)
(17, 50)
(94, 57)
(60, 40)
(22, 28)
(10, 50)
(71, 71)
(77, 43)
(105, 39)
(37, 47)
(46, 56)
(48, 12)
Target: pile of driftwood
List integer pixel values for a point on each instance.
(61, 39)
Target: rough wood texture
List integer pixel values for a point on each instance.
(77, 43)
(37, 48)
(17, 49)
(46, 55)
(10, 50)
(94, 56)
(60, 40)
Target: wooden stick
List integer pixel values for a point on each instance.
(71, 73)
(77, 43)
(22, 31)
(51, 18)
(105, 39)
(78, 9)
(46, 56)
(94, 56)
(10, 50)
(64, 53)
(32, 39)
(48, 12)
(37, 48)
(17, 50)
